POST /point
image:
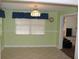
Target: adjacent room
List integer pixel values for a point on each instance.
(31, 30)
(70, 34)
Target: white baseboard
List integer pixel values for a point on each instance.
(30, 45)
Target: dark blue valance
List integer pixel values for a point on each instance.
(2, 14)
(28, 15)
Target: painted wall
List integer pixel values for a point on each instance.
(71, 22)
(66, 11)
(51, 30)
(0, 31)
(11, 38)
(0, 35)
(0, 2)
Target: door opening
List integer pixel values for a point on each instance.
(68, 34)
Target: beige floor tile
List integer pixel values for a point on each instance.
(33, 53)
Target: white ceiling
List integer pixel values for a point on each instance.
(31, 5)
(67, 2)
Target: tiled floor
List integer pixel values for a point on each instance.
(69, 52)
(33, 53)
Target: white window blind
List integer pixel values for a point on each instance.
(22, 26)
(37, 26)
(30, 26)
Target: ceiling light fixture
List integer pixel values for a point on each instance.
(35, 13)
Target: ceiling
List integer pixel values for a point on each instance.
(66, 2)
(33, 5)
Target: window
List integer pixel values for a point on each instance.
(30, 26)
(37, 26)
(22, 26)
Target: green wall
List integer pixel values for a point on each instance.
(0, 31)
(51, 30)
(1, 34)
(12, 39)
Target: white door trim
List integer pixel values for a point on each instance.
(61, 33)
(61, 29)
(76, 47)
(77, 37)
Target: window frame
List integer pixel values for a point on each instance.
(30, 26)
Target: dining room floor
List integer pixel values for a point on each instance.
(33, 53)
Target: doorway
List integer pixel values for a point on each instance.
(68, 30)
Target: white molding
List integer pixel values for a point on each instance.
(70, 14)
(61, 33)
(30, 45)
(77, 41)
(76, 48)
